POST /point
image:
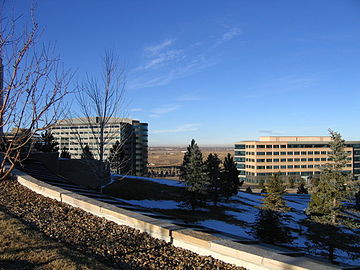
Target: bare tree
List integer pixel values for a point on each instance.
(31, 88)
(102, 101)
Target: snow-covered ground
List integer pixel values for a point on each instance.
(167, 182)
(243, 207)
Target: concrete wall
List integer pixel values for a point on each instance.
(250, 256)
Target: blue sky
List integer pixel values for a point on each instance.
(219, 71)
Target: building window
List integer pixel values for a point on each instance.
(310, 153)
(276, 160)
(269, 160)
(260, 167)
(269, 146)
(283, 166)
(303, 166)
(323, 152)
(283, 146)
(276, 167)
(283, 160)
(269, 167)
(239, 146)
(296, 159)
(290, 153)
(290, 160)
(276, 146)
(283, 153)
(310, 166)
(268, 153)
(260, 160)
(310, 159)
(260, 146)
(276, 153)
(290, 166)
(260, 153)
(303, 153)
(317, 153)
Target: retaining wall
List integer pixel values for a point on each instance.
(251, 256)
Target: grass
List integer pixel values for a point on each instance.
(22, 247)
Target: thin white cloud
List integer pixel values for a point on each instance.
(230, 34)
(182, 128)
(188, 97)
(136, 110)
(165, 63)
(157, 112)
(158, 47)
(269, 132)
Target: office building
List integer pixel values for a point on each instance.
(75, 133)
(300, 156)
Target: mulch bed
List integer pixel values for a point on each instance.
(119, 246)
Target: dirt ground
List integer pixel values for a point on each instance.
(173, 156)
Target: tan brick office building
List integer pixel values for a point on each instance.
(300, 156)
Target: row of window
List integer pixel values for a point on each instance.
(84, 127)
(291, 159)
(243, 146)
(316, 166)
(290, 153)
(281, 173)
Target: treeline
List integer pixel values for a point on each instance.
(208, 180)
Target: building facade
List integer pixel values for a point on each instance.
(75, 133)
(296, 156)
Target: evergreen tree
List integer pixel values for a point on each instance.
(117, 159)
(230, 177)
(301, 188)
(48, 143)
(291, 182)
(326, 204)
(262, 185)
(357, 200)
(273, 198)
(213, 169)
(87, 154)
(268, 226)
(326, 215)
(193, 173)
(64, 153)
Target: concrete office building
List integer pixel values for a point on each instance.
(75, 133)
(300, 156)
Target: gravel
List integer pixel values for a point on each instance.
(121, 247)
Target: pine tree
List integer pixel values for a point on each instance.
(87, 154)
(193, 173)
(213, 169)
(268, 226)
(64, 153)
(48, 143)
(117, 159)
(291, 182)
(326, 215)
(301, 188)
(273, 198)
(230, 178)
(326, 204)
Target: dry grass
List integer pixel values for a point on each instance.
(173, 156)
(21, 247)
